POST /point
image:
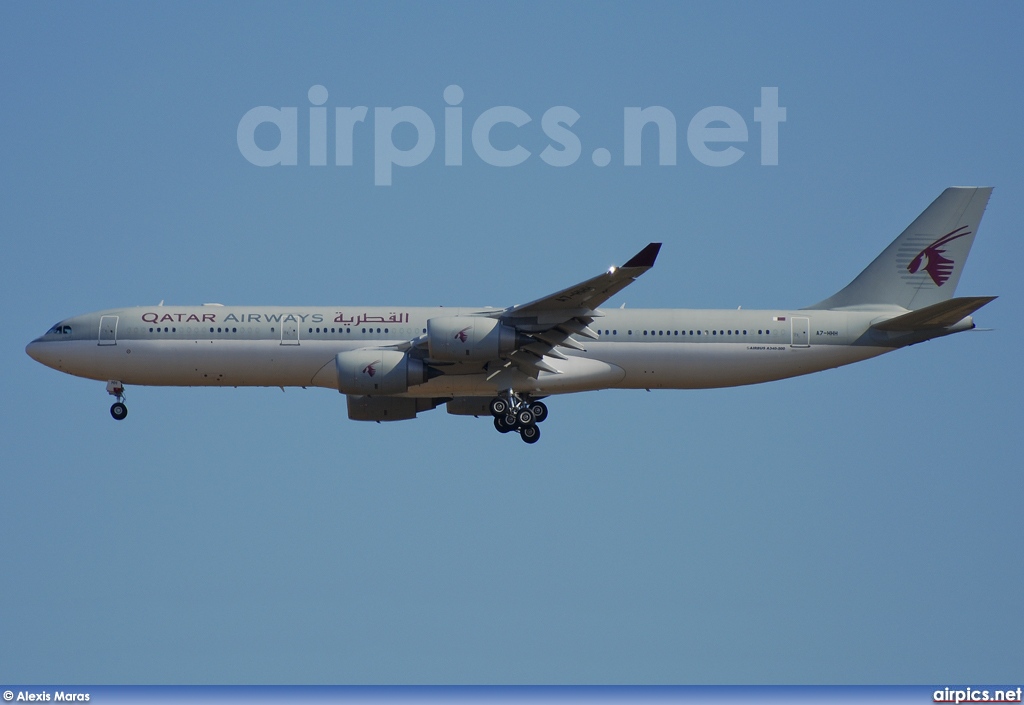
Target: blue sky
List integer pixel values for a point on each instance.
(862, 525)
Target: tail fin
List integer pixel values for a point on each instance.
(923, 265)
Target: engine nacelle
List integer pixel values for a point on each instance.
(377, 372)
(469, 338)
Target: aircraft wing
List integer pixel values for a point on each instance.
(590, 294)
(553, 320)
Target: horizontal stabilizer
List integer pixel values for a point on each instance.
(940, 315)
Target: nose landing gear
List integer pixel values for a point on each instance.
(513, 413)
(118, 409)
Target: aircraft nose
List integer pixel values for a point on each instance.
(43, 353)
(46, 352)
(34, 350)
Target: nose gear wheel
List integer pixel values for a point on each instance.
(118, 409)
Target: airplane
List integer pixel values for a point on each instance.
(393, 363)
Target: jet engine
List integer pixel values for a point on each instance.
(469, 338)
(374, 371)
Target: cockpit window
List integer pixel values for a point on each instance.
(59, 330)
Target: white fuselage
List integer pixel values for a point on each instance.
(296, 346)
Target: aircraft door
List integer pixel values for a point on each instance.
(290, 331)
(801, 332)
(108, 330)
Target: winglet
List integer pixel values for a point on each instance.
(645, 257)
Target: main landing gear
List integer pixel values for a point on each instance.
(118, 409)
(512, 413)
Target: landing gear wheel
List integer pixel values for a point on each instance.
(498, 407)
(500, 426)
(119, 411)
(539, 410)
(530, 434)
(524, 417)
(509, 420)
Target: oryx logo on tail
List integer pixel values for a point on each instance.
(461, 335)
(932, 260)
